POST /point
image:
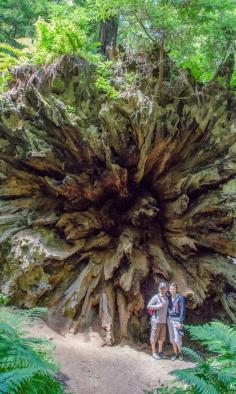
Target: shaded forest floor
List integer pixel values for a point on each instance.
(87, 367)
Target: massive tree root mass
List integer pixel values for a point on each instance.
(101, 198)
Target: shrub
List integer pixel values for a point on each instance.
(26, 364)
(214, 374)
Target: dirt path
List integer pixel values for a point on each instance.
(88, 368)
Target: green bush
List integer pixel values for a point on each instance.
(3, 299)
(26, 364)
(199, 35)
(214, 374)
(60, 37)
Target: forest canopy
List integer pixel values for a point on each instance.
(196, 34)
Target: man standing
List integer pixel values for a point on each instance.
(158, 306)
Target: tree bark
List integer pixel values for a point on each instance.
(99, 200)
(159, 87)
(108, 35)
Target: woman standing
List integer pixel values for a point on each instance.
(176, 315)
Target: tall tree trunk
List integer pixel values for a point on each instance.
(225, 70)
(159, 87)
(108, 35)
(101, 200)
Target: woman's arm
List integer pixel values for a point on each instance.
(170, 304)
(182, 309)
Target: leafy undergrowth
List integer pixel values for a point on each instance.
(27, 365)
(197, 35)
(214, 374)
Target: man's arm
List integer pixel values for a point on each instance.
(155, 303)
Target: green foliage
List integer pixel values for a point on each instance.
(63, 36)
(217, 337)
(18, 18)
(197, 34)
(176, 388)
(11, 56)
(103, 81)
(3, 299)
(26, 364)
(193, 355)
(5, 78)
(215, 374)
(18, 318)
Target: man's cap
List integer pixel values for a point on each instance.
(162, 285)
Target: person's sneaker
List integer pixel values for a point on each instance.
(174, 357)
(181, 357)
(163, 356)
(156, 356)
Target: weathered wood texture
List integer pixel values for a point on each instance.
(100, 199)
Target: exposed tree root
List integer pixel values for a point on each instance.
(100, 199)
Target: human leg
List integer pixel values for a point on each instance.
(177, 340)
(153, 346)
(172, 337)
(161, 339)
(177, 336)
(158, 334)
(160, 346)
(153, 337)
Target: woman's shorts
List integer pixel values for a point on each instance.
(158, 332)
(174, 335)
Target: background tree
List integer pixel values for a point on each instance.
(18, 18)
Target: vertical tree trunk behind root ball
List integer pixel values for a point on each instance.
(108, 35)
(99, 200)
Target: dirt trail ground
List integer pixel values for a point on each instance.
(88, 368)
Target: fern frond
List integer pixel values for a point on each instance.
(26, 364)
(3, 299)
(28, 315)
(18, 318)
(6, 329)
(7, 61)
(16, 354)
(9, 316)
(192, 354)
(190, 376)
(217, 336)
(24, 380)
(11, 381)
(223, 377)
(7, 48)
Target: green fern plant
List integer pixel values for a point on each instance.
(3, 299)
(26, 364)
(11, 56)
(52, 39)
(63, 36)
(215, 374)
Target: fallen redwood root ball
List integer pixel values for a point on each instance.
(101, 198)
